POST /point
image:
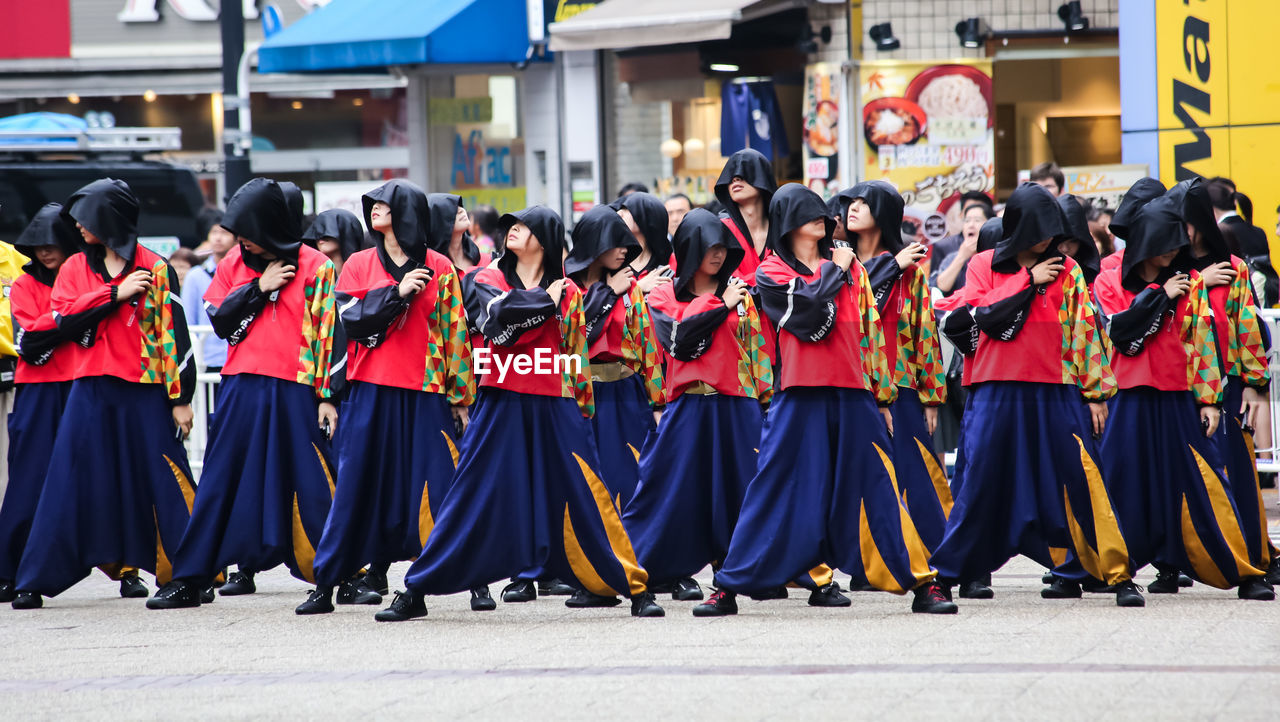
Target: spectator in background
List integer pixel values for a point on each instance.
(217, 242)
(947, 247)
(1050, 176)
(632, 187)
(183, 260)
(484, 229)
(678, 204)
(949, 276)
(1100, 228)
(1234, 212)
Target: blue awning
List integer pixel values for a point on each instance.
(354, 34)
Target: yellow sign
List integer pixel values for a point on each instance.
(456, 111)
(505, 200)
(1219, 97)
(927, 129)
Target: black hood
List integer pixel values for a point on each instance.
(752, 167)
(990, 234)
(1138, 195)
(108, 209)
(444, 213)
(340, 225)
(1078, 229)
(793, 206)
(886, 208)
(293, 199)
(599, 231)
(1031, 216)
(651, 218)
(1192, 199)
(49, 228)
(1158, 229)
(549, 230)
(698, 233)
(260, 212)
(410, 217)
(837, 207)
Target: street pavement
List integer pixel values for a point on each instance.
(1202, 654)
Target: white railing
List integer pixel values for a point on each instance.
(1271, 316)
(202, 403)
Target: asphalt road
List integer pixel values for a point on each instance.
(1202, 654)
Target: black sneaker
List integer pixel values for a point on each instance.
(376, 581)
(1256, 589)
(27, 600)
(721, 604)
(520, 590)
(582, 599)
(1185, 581)
(554, 588)
(1129, 594)
(1061, 588)
(356, 591)
(930, 599)
(976, 590)
(207, 596)
(131, 587)
(481, 601)
(686, 590)
(238, 583)
(405, 606)
(644, 605)
(1273, 571)
(1165, 583)
(318, 602)
(828, 596)
(8, 592)
(175, 595)
(768, 594)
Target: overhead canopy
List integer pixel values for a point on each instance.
(632, 23)
(351, 34)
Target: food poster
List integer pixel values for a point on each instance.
(928, 129)
(822, 89)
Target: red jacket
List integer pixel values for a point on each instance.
(418, 343)
(705, 342)
(746, 270)
(1159, 343)
(829, 332)
(44, 354)
(619, 328)
(141, 341)
(525, 325)
(1048, 334)
(285, 335)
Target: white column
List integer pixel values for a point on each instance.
(416, 96)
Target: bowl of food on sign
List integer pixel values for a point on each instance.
(952, 91)
(892, 121)
(821, 136)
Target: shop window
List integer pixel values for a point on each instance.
(1085, 140)
(476, 146)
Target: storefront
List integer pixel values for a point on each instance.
(157, 64)
(686, 85)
